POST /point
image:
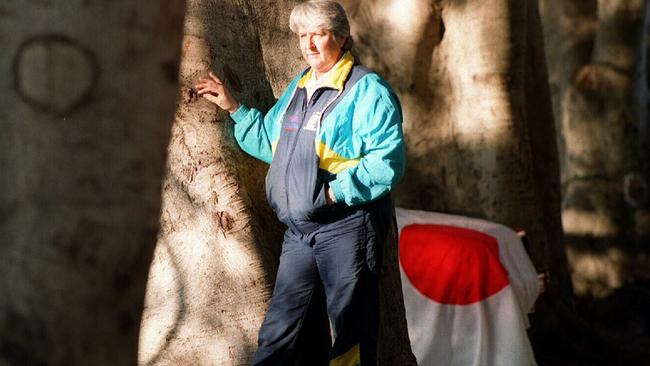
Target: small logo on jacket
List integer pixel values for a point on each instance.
(312, 124)
(292, 123)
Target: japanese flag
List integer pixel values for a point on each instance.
(468, 286)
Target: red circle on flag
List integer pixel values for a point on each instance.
(451, 265)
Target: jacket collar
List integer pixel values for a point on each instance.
(336, 77)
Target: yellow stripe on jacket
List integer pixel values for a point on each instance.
(331, 161)
(274, 146)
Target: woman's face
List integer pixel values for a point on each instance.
(320, 48)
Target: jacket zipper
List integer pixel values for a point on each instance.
(290, 159)
(295, 142)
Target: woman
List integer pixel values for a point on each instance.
(334, 142)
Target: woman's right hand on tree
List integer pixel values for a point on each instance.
(212, 89)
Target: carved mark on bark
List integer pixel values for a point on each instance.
(214, 199)
(600, 77)
(225, 221)
(191, 95)
(635, 189)
(54, 73)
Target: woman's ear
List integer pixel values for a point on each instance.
(341, 40)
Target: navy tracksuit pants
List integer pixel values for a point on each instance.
(336, 265)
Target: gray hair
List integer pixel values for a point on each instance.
(322, 14)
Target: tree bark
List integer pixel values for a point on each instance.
(210, 283)
(86, 108)
(478, 120)
(478, 133)
(600, 92)
(597, 57)
(214, 266)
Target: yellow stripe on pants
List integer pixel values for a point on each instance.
(350, 358)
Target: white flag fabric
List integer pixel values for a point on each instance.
(468, 286)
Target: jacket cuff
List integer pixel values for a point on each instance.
(240, 113)
(337, 190)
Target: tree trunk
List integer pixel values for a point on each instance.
(212, 274)
(217, 254)
(598, 76)
(86, 106)
(478, 121)
(597, 59)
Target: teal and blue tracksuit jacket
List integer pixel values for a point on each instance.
(348, 137)
(350, 131)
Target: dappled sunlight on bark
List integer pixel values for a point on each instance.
(86, 105)
(478, 120)
(212, 267)
(583, 222)
(598, 274)
(597, 57)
